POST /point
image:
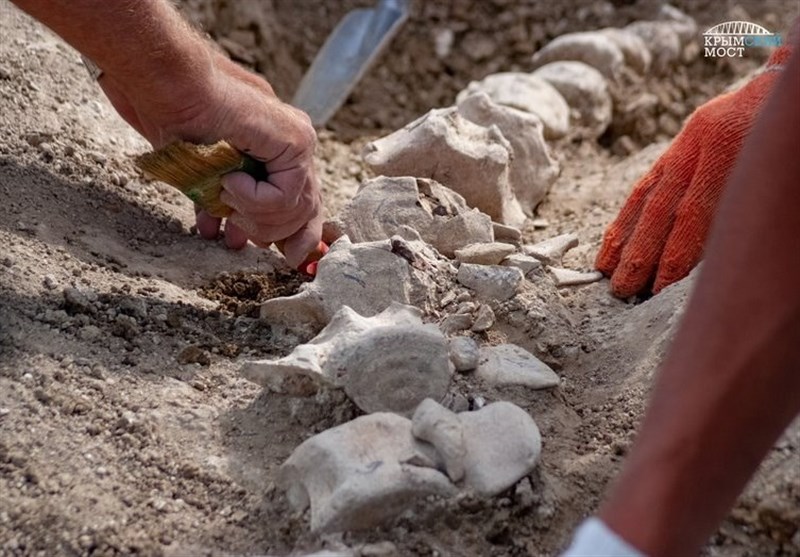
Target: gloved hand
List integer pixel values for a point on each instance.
(659, 235)
(594, 539)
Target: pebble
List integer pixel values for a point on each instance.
(569, 277)
(484, 319)
(193, 354)
(552, 250)
(490, 282)
(382, 549)
(455, 323)
(89, 333)
(464, 353)
(79, 301)
(447, 299)
(50, 282)
(524, 263)
(506, 234)
(509, 364)
(485, 254)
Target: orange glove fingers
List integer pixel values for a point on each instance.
(685, 244)
(641, 255)
(623, 226)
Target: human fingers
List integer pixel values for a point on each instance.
(642, 252)
(248, 195)
(207, 226)
(235, 237)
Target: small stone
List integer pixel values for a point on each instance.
(568, 277)
(528, 93)
(490, 282)
(464, 353)
(523, 494)
(89, 333)
(99, 158)
(506, 234)
(540, 224)
(466, 307)
(585, 90)
(50, 282)
(552, 250)
(79, 301)
(508, 364)
(447, 299)
(484, 254)
(455, 323)
(135, 307)
(193, 354)
(484, 319)
(592, 48)
(382, 549)
(524, 263)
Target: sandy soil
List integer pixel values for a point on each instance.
(125, 427)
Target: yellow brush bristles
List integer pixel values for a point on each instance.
(196, 170)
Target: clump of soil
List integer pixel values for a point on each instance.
(243, 292)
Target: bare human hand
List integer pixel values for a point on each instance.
(233, 104)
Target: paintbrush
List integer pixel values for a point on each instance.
(197, 171)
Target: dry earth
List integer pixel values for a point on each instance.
(125, 427)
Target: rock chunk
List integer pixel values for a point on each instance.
(484, 319)
(509, 364)
(527, 93)
(637, 54)
(585, 90)
(525, 263)
(464, 353)
(663, 41)
(552, 250)
(485, 254)
(591, 47)
(490, 282)
(568, 277)
(532, 169)
(465, 157)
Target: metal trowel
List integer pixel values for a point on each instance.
(344, 58)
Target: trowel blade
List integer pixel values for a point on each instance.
(345, 57)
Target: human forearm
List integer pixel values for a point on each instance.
(141, 45)
(731, 382)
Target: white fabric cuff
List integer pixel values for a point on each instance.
(594, 539)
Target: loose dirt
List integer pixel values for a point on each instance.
(125, 427)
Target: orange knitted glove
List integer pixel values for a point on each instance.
(658, 236)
